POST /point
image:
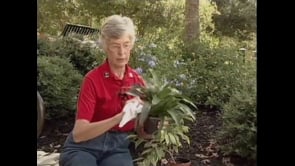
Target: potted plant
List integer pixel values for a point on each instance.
(161, 124)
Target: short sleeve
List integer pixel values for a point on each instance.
(87, 100)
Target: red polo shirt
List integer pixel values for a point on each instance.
(101, 96)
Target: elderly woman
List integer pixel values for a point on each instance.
(97, 139)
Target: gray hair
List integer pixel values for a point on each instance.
(114, 27)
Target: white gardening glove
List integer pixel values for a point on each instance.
(131, 109)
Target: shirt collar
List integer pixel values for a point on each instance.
(107, 73)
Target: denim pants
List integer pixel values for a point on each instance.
(108, 149)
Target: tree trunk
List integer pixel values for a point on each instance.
(192, 23)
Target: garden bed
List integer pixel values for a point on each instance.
(203, 150)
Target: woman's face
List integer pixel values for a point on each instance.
(118, 51)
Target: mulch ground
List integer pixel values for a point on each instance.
(203, 150)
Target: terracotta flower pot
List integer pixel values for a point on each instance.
(179, 162)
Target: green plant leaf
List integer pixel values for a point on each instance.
(187, 102)
(178, 143)
(172, 138)
(138, 159)
(137, 90)
(144, 113)
(159, 152)
(167, 140)
(131, 136)
(185, 129)
(167, 91)
(155, 100)
(138, 142)
(187, 110)
(174, 116)
(146, 151)
(161, 109)
(185, 137)
(155, 78)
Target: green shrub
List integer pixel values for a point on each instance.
(44, 47)
(238, 133)
(84, 56)
(58, 83)
(213, 74)
(161, 56)
(208, 73)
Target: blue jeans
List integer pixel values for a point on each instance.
(108, 149)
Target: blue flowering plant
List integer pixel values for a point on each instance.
(171, 108)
